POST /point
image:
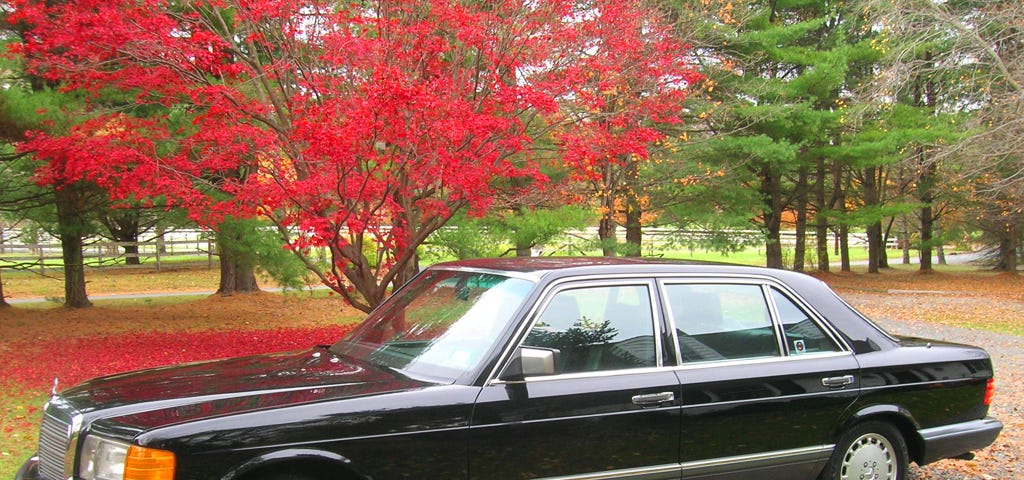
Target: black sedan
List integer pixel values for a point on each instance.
(555, 368)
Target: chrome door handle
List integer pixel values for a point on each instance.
(653, 398)
(837, 382)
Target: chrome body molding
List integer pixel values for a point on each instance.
(658, 472)
(812, 456)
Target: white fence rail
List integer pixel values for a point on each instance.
(47, 255)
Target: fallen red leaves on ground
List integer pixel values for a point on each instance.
(77, 359)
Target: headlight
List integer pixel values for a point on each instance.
(103, 459)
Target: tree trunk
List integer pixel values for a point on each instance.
(634, 231)
(70, 226)
(131, 253)
(844, 248)
(905, 240)
(3, 299)
(820, 217)
(237, 272)
(927, 225)
(771, 212)
(123, 226)
(940, 252)
(874, 233)
(800, 250)
(634, 210)
(1008, 243)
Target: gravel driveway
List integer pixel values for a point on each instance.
(1004, 460)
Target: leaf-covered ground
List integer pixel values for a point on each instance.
(37, 345)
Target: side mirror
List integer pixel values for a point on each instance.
(530, 362)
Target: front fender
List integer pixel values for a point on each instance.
(297, 456)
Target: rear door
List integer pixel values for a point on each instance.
(610, 411)
(763, 382)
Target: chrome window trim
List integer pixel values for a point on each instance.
(760, 360)
(711, 280)
(813, 315)
(572, 283)
(766, 284)
(594, 374)
(660, 279)
(531, 276)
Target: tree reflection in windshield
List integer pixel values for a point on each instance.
(439, 326)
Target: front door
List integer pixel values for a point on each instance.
(611, 409)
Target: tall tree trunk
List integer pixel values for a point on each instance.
(123, 226)
(236, 276)
(874, 227)
(940, 251)
(844, 248)
(606, 229)
(634, 210)
(800, 250)
(70, 226)
(3, 299)
(875, 243)
(237, 267)
(771, 194)
(926, 194)
(905, 240)
(820, 216)
(1008, 244)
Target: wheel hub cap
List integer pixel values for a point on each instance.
(870, 457)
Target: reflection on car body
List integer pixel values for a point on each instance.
(555, 368)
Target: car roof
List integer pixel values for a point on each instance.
(568, 266)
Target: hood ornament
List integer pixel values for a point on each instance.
(55, 384)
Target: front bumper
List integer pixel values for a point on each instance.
(29, 470)
(958, 439)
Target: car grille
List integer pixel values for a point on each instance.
(60, 426)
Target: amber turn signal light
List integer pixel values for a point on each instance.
(148, 464)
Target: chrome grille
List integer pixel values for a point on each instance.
(60, 426)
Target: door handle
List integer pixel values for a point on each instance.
(837, 382)
(653, 398)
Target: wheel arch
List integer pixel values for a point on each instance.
(311, 463)
(895, 415)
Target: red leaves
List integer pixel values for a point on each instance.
(352, 124)
(75, 360)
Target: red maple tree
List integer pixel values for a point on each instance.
(359, 127)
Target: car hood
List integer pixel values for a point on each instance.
(231, 385)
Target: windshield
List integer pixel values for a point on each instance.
(440, 326)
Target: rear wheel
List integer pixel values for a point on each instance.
(869, 451)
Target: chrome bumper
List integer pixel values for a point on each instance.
(29, 470)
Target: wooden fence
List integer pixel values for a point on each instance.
(44, 256)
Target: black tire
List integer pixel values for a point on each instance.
(871, 450)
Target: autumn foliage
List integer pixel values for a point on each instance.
(358, 127)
